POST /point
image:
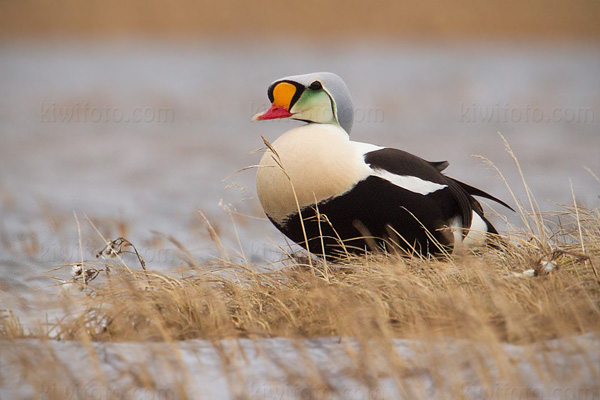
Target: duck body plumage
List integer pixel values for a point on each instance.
(351, 197)
(335, 196)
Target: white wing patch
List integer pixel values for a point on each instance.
(408, 182)
(411, 183)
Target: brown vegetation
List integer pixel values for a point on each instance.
(542, 284)
(325, 20)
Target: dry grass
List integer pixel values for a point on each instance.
(542, 284)
(475, 296)
(489, 297)
(482, 295)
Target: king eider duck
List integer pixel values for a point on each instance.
(334, 196)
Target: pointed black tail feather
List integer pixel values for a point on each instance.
(490, 228)
(473, 191)
(439, 165)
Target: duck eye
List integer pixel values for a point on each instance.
(316, 85)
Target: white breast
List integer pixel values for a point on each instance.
(318, 160)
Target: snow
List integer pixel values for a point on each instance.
(279, 368)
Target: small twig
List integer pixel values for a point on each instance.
(116, 247)
(107, 241)
(318, 214)
(83, 273)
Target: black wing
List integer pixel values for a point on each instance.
(400, 162)
(457, 199)
(454, 200)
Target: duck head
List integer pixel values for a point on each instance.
(320, 97)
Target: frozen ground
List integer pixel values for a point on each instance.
(286, 369)
(149, 178)
(435, 101)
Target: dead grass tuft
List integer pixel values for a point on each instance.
(519, 294)
(540, 283)
(488, 297)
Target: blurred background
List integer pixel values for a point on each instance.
(136, 114)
